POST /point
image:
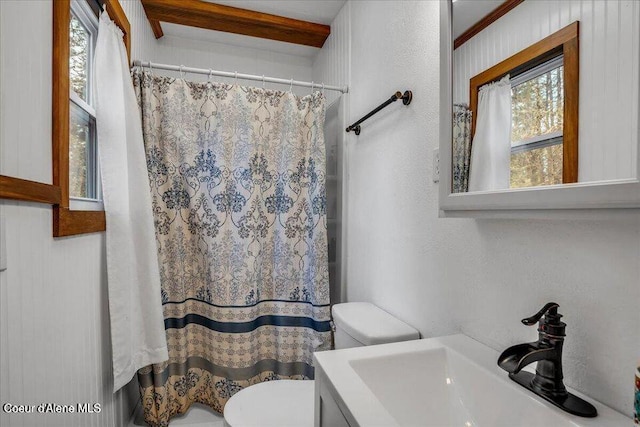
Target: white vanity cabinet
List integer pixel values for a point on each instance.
(327, 413)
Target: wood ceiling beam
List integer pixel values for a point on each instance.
(156, 28)
(212, 16)
(489, 19)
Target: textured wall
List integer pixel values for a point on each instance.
(609, 58)
(479, 277)
(54, 325)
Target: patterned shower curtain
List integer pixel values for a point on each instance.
(461, 148)
(237, 177)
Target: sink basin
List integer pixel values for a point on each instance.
(447, 381)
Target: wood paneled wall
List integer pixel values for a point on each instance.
(332, 65)
(54, 326)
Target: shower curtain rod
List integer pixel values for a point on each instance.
(183, 69)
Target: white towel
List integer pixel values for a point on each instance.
(135, 306)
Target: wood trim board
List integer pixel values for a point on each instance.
(213, 16)
(489, 19)
(67, 222)
(30, 191)
(60, 98)
(571, 52)
(156, 28)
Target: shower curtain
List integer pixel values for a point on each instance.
(461, 148)
(237, 179)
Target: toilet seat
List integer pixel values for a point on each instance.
(281, 403)
(291, 403)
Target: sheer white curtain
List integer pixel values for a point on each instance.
(135, 306)
(491, 147)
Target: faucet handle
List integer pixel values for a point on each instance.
(550, 308)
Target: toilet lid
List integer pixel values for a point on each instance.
(283, 403)
(371, 325)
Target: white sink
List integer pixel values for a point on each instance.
(447, 381)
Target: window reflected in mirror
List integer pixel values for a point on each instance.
(537, 108)
(540, 89)
(524, 118)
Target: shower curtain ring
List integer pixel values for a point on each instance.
(210, 74)
(151, 68)
(323, 88)
(181, 71)
(291, 85)
(312, 88)
(236, 79)
(263, 81)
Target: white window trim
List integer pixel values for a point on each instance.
(82, 104)
(536, 139)
(537, 71)
(83, 12)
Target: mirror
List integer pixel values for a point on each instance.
(545, 93)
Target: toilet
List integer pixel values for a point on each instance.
(290, 403)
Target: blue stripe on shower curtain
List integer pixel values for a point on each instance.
(236, 327)
(243, 306)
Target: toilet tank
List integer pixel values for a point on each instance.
(361, 323)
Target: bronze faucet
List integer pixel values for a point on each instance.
(547, 351)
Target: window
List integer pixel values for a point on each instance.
(537, 109)
(75, 165)
(544, 109)
(83, 162)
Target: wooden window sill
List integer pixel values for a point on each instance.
(70, 223)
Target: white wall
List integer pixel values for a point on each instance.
(201, 52)
(609, 58)
(54, 326)
(205, 54)
(479, 277)
(143, 41)
(441, 275)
